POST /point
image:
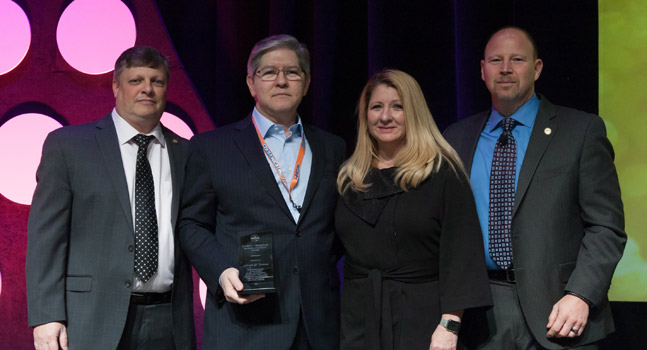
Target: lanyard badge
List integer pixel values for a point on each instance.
(277, 166)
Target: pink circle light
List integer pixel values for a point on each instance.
(21, 143)
(203, 293)
(176, 125)
(16, 35)
(91, 34)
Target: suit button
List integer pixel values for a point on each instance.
(127, 284)
(298, 233)
(130, 248)
(295, 270)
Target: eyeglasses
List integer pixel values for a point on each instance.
(271, 73)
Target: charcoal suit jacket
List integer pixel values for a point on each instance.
(231, 191)
(568, 221)
(80, 251)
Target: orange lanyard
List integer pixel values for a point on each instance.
(277, 166)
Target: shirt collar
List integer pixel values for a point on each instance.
(126, 132)
(266, 127)
(525, 115)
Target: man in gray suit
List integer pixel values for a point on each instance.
(104, 267)
(549, 204)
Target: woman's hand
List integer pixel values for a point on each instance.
(443, 339)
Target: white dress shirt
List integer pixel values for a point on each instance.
(161, 168)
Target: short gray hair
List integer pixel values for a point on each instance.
(274, 42)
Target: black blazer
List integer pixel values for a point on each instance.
(230, 189)
(80, 236)
(568, 221)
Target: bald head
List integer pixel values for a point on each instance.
(529, 37)
(510, 68)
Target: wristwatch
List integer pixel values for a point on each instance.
(452, 326)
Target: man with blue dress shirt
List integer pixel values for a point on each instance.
(270, 177)
(548, 201)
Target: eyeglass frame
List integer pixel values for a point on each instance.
(300, 74)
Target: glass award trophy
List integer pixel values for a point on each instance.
(257, 261)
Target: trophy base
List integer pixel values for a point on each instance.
(255, 289)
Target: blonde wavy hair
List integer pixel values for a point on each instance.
(424, 150)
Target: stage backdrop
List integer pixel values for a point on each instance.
(55, 70)
(623, 102)
(56, 59)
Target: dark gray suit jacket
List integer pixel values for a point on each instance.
(568, 221)
(80, 255)
(230, 189)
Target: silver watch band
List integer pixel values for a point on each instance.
(450, 325)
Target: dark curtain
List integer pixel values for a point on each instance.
(440, 43)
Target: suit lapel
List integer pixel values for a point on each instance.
(106, 136)
(316, 170)
(472, 135)
(250, 147)
(539, 140)
(175, 159)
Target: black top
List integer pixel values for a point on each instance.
(410, 256)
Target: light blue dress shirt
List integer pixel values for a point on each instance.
(286, 150)
(482, 163)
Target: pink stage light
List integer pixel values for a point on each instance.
(21, 144)
(91, 34)
(176, 125)
(15, 36)
(203, 293)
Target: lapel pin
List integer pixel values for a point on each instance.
(547, 131)
(176, 141)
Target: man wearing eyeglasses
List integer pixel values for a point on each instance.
(272, 178)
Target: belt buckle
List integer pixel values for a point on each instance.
(142, 298)
(509, 276)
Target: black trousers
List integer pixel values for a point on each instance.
(148, 327)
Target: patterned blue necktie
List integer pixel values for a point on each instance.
(502, 176)
(146, 241)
